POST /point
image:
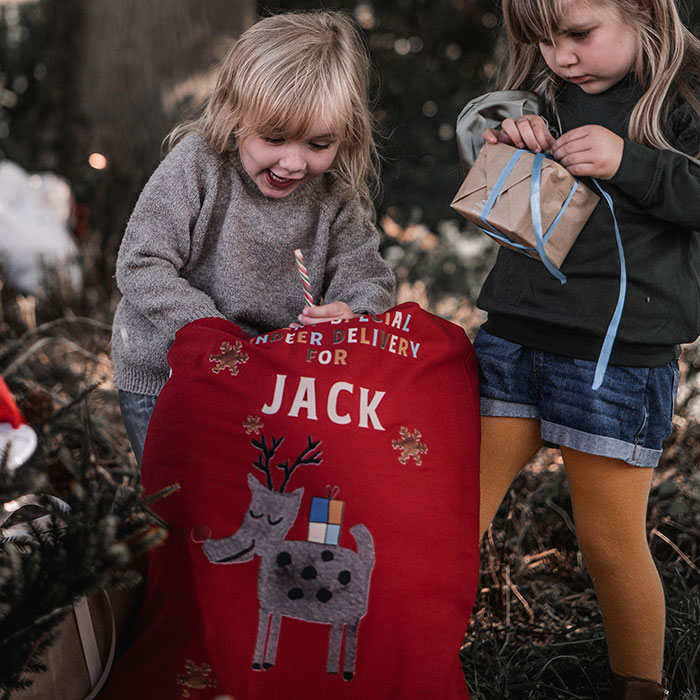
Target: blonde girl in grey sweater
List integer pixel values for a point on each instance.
(283, 157)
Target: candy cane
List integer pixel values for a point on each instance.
(305, 282)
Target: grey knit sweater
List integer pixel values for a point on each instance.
(203, 241)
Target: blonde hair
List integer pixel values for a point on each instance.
(281, 75)
(667, 64)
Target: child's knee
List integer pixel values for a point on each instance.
(611, 552)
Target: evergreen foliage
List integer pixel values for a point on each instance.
(74, 515)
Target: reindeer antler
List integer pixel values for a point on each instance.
(267, 453)
(307, 456)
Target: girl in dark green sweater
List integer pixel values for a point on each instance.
(620, 81)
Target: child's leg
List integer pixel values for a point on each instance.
(609, 500)
(507, 445)
(136, 412)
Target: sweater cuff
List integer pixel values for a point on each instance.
(637, 172)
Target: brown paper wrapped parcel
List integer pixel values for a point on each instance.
(511, 215)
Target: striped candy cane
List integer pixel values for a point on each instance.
(305, 282)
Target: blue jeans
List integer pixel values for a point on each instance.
(627, 418)
(137, 410)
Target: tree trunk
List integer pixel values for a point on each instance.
(147, 64)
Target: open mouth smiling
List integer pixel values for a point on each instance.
(279, 180)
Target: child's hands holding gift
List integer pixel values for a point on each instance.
(591, 151)
(529, 131)
(588, 151)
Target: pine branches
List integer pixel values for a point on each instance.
(83, 544)
(75, 518)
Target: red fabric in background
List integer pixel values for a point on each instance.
(393, 401)
(9, 413)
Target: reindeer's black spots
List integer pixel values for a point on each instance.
(326, 555)
(347, 675)
(266, 666)
(295, 593)
(308, 573)
(256, 666)
(324, 595)
(344, 577)
(284, 558)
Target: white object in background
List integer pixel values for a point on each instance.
(21, 441)
(34, 218)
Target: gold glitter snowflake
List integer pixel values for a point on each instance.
(253, 424)
(410, 445)
(229, 358)
(195, 677)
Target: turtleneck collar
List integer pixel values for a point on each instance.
(610, 109)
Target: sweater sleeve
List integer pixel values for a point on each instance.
(666, 184)
(355, 271)
(157, 242)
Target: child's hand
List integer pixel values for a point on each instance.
(325, 312)
(591, 151)
(529, 131)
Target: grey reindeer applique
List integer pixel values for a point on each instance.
(312, 581)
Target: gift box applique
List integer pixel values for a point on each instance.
(325, 518)
(516, 196)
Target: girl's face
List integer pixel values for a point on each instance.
(594, 48)
(279, 166)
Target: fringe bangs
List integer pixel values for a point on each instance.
(292, 114)
(529, 21)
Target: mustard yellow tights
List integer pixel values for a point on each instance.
(609, 499)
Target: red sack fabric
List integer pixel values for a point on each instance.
(9, 413)
(324, 540)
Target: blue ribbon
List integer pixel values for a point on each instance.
(535, 211)
(542, 238)
(536, 214)
(614, 324)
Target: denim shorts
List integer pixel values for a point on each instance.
(627, 418)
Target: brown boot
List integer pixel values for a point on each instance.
(623, 688)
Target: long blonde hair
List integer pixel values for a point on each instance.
(281, 75)
(667, 64)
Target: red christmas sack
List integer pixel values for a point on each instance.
(323, 542)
